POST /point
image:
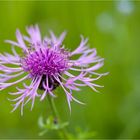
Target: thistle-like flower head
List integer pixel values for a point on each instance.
(47, 64)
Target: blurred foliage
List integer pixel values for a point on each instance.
(113, 28)
(51, 124)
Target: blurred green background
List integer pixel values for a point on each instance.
(113, 27)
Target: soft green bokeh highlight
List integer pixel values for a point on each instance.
(113, 28)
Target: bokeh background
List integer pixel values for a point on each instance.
(113, 27)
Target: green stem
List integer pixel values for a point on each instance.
(53, 107)
(56, 116)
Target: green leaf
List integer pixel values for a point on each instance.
(40, 122)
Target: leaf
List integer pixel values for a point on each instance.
(50, 124)
(43, 132)
(40, 122)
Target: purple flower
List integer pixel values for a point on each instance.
(47, 64)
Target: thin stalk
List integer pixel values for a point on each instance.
(56, 116)
(53, 107)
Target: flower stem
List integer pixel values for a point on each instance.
(53, 107)
(56, 116)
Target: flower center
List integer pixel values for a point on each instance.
(52, 82)
(45, 61)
